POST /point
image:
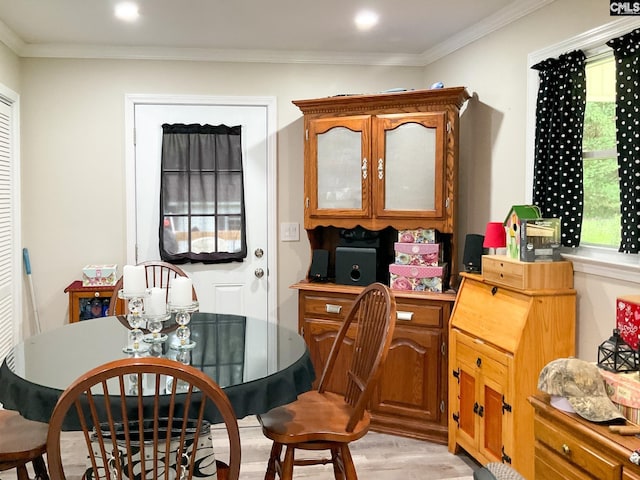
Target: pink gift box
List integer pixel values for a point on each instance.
(416, 277)
(420, 235)
(628, 319)
(417, 253)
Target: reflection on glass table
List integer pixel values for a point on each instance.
(230, 349)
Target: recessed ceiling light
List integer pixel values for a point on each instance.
(366, 19)
(127, 11)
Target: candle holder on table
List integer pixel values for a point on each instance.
(183, 317)
(135, 319)
(155, 325)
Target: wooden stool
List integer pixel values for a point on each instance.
(22, 441)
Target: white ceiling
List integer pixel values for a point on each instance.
(410, 32)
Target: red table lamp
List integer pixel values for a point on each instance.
(495, 236)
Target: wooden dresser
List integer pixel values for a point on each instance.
(411, 396)
(568, 447)
(506, 325)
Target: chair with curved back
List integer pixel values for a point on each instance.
(108, 403)
(22, 441)
(158, 273)
(322, 420)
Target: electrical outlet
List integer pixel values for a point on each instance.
(289, 232)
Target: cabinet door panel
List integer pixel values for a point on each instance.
(409, 158)
(468, 405)
(339, 174)
(492, 438)
(320, 336)
(414, 354)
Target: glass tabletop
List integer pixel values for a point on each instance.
(231, 349)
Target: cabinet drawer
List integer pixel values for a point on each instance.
(574, 451)
(469, 348)
(549, 466)
(415, 313)
(329, 307)
(505, 271)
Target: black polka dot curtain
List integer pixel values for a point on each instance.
(626, 50)
(557, 182)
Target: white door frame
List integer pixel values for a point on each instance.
(270, 103)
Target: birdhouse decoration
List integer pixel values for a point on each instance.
(616, 355)
(512, 223)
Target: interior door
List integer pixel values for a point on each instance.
(237, 288)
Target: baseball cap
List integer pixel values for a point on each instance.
(583, 386)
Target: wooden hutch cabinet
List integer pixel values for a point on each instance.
(383, 163)
(507, 324)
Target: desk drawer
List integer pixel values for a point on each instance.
(502, 270)
(332, 307)
(419, 313)
(575, 452)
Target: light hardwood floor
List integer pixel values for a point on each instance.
(377, 457)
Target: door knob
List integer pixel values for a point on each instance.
(259, 272)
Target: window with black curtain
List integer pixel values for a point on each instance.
(202, 214)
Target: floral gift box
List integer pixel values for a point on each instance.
(417, 277)
(417, 254)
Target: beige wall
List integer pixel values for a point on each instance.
(9, 68)
(73, 147)
(73, 154)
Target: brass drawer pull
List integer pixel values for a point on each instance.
(565, 449)
(333, 308)
(404, 315)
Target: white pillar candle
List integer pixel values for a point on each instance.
(181, 292)
(133, 279)
(155, 304)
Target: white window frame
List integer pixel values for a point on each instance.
(12, 99)
(601, 261)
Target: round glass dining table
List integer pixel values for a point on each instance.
(231, 349)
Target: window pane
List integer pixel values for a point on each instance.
(202, 235)
(203, 193)
(601, 216)
(176, 194)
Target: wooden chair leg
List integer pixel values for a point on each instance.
(40, 468)
(349, 467)
(274, 458)
(287, 465)
(22, 472)
(338, 466)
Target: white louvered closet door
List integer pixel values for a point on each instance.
(7, 327)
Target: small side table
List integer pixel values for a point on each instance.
(80, 301)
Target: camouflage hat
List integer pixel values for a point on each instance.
(582, 385)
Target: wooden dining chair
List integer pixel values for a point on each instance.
(22, 441)
(147, 418)
(158, 273)
(322, 420)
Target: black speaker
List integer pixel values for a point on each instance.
(473, 250)
(319, 266)
(355, 265)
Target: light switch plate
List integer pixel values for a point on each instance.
(290, 232)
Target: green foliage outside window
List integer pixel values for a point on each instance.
(601, 214)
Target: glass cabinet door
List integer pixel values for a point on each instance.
(409, 165)
(339, 180)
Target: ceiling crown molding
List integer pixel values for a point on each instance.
(502, 18)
